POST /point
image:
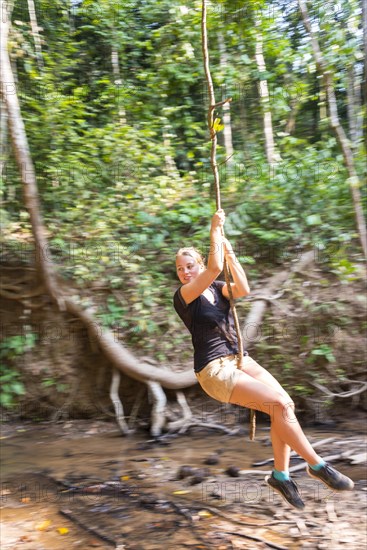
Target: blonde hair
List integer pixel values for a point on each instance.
(193, 253)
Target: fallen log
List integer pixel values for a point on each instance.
(295, 455)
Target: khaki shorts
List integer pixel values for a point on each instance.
(219, 377)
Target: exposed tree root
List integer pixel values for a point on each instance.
(116, 401)
(16, 294)
(70, 516)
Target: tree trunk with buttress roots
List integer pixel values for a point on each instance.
(341, 136)
(119, 355)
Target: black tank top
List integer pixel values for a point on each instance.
(211, 325)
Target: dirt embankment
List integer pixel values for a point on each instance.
(312, 339)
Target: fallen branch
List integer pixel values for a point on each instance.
(69, 515)
(210, 425)
(254, 319)
(257, 539)
(358, 458)
(345, 394)
(329, 458)
(231, 519)
(260, 472)
(294, 454)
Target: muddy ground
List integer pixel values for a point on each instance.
(79, 484)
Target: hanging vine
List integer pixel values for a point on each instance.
(213, 161)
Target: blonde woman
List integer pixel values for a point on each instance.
(202, 302)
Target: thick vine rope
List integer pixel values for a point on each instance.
(213, 161)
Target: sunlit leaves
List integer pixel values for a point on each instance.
(122, 160)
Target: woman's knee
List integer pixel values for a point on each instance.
(282, 405)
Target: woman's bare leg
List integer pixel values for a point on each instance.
(281, 450)
(254, 394)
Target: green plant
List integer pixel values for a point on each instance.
(10, 383)
(51, 382)
(115, 315)
(324, 350)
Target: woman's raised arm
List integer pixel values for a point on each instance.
(240, 286)
(192, 289)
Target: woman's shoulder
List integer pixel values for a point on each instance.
(178, 300)
(177, 294)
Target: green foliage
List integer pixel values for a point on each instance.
(52, 383)
(10, 384)
(122, 158)
(324, 351)
(116, 313)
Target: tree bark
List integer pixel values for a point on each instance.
(355, 118)
(291, 122)
(271, 154)
(342, 139)
(322, 104)
(3, 138)
(35, 33)
(117, 75)
(23, 158)
(364, 90)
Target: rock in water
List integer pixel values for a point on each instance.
(233, 471)
(212, 459)
(185, 471)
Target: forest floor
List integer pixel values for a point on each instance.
(79, 484)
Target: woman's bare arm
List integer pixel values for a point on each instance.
(193, 289)
(240, 286)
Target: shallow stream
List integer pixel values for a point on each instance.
(81, 485)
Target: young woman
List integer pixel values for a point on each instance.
(203, 305)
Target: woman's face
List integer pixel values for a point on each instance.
(187, 268)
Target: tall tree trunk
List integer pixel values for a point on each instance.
(322, 104)
(35, 33)
(171, 167)
(3, 137)
(244, 127)
(117, 75)
(227, 131)
(271, 154)
(295, 103)
(364, 90)
(25, 164)
(118, 354)
(342, 139)
(291, 122)
(355, 118)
